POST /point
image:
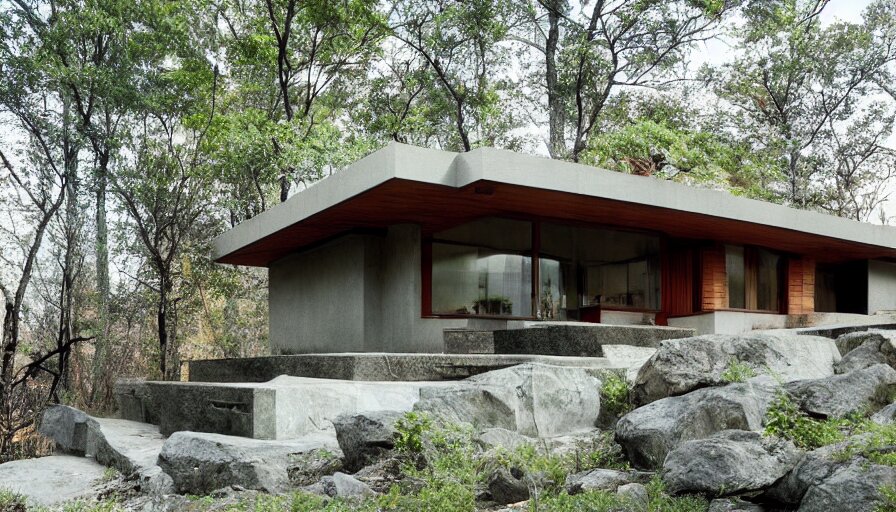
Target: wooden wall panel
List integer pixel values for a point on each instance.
(714, 285)
(677, 279)
(800, 286)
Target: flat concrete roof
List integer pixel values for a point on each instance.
(416, 177)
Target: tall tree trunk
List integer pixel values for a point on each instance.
(556, 112)
(100, 380)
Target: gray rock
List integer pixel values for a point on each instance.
(502, 438)
(381, 475)
(729, 462)
(851, 487)
(850, 341)
(733, 505)
(508, 486)
(811, 468)
(365, 437)
(66, 426)
(201, 462)
(531, 399)
(885, 416)
(130, 447)
(49, 481)
(635, 494)
(649, 433)
(868, 389)
(307, 468)
(597, 480)
(683, 365)
(347, 486)
(878, 347)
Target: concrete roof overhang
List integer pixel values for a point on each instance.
(440, 189)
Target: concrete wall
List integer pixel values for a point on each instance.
(318, 300)
(881, 286)
(730, 322)
(359, 293)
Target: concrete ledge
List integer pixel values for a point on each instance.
(581, 339)
(374, 366)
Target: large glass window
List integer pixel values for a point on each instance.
(584, 267)
(753, 278)
(483, 268)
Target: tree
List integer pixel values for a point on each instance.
(450, 67)
(591, 51)
(794, 84)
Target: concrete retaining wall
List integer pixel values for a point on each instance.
(881, 286)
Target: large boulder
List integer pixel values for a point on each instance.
(200, 462)
(649, 433)
(836, 477)
(532, 399)
(868, 389)
(683, 365)
(730, 462)
(132, 448)
(850, 341)
(878, 347)
(365, 437)
(66, 426)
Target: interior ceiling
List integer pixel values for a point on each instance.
(437, 207)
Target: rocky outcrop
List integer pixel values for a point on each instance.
(850, 341)
(683, 365)
(66, 426)
(531, 399)
(508, 486)
(868, 389)
(878, 347)
(730, 462)
(734, 505)
(132, 448)
(201, 462)
(366, 437)
(649, 433)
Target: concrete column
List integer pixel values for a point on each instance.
(881, 286)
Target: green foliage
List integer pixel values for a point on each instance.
(603, 501)
(785, 419)
(12, 502)
(737, 371)
(888, 499)
(409, 432)
(108, 505)
(615, 393)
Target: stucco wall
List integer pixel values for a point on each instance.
(881, 286)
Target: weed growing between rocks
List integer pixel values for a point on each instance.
(888, 499)
(603, 501)
(615, 394)
(737, 372)
(785, 419)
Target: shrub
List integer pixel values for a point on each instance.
(409, 432)
(888, 499)
(737, 372)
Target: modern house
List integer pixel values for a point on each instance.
(387, 254)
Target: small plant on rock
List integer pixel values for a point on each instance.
(737, 372)
(615, 394)
(12, 502)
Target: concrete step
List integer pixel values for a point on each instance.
(580, 339)
(360, 366)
